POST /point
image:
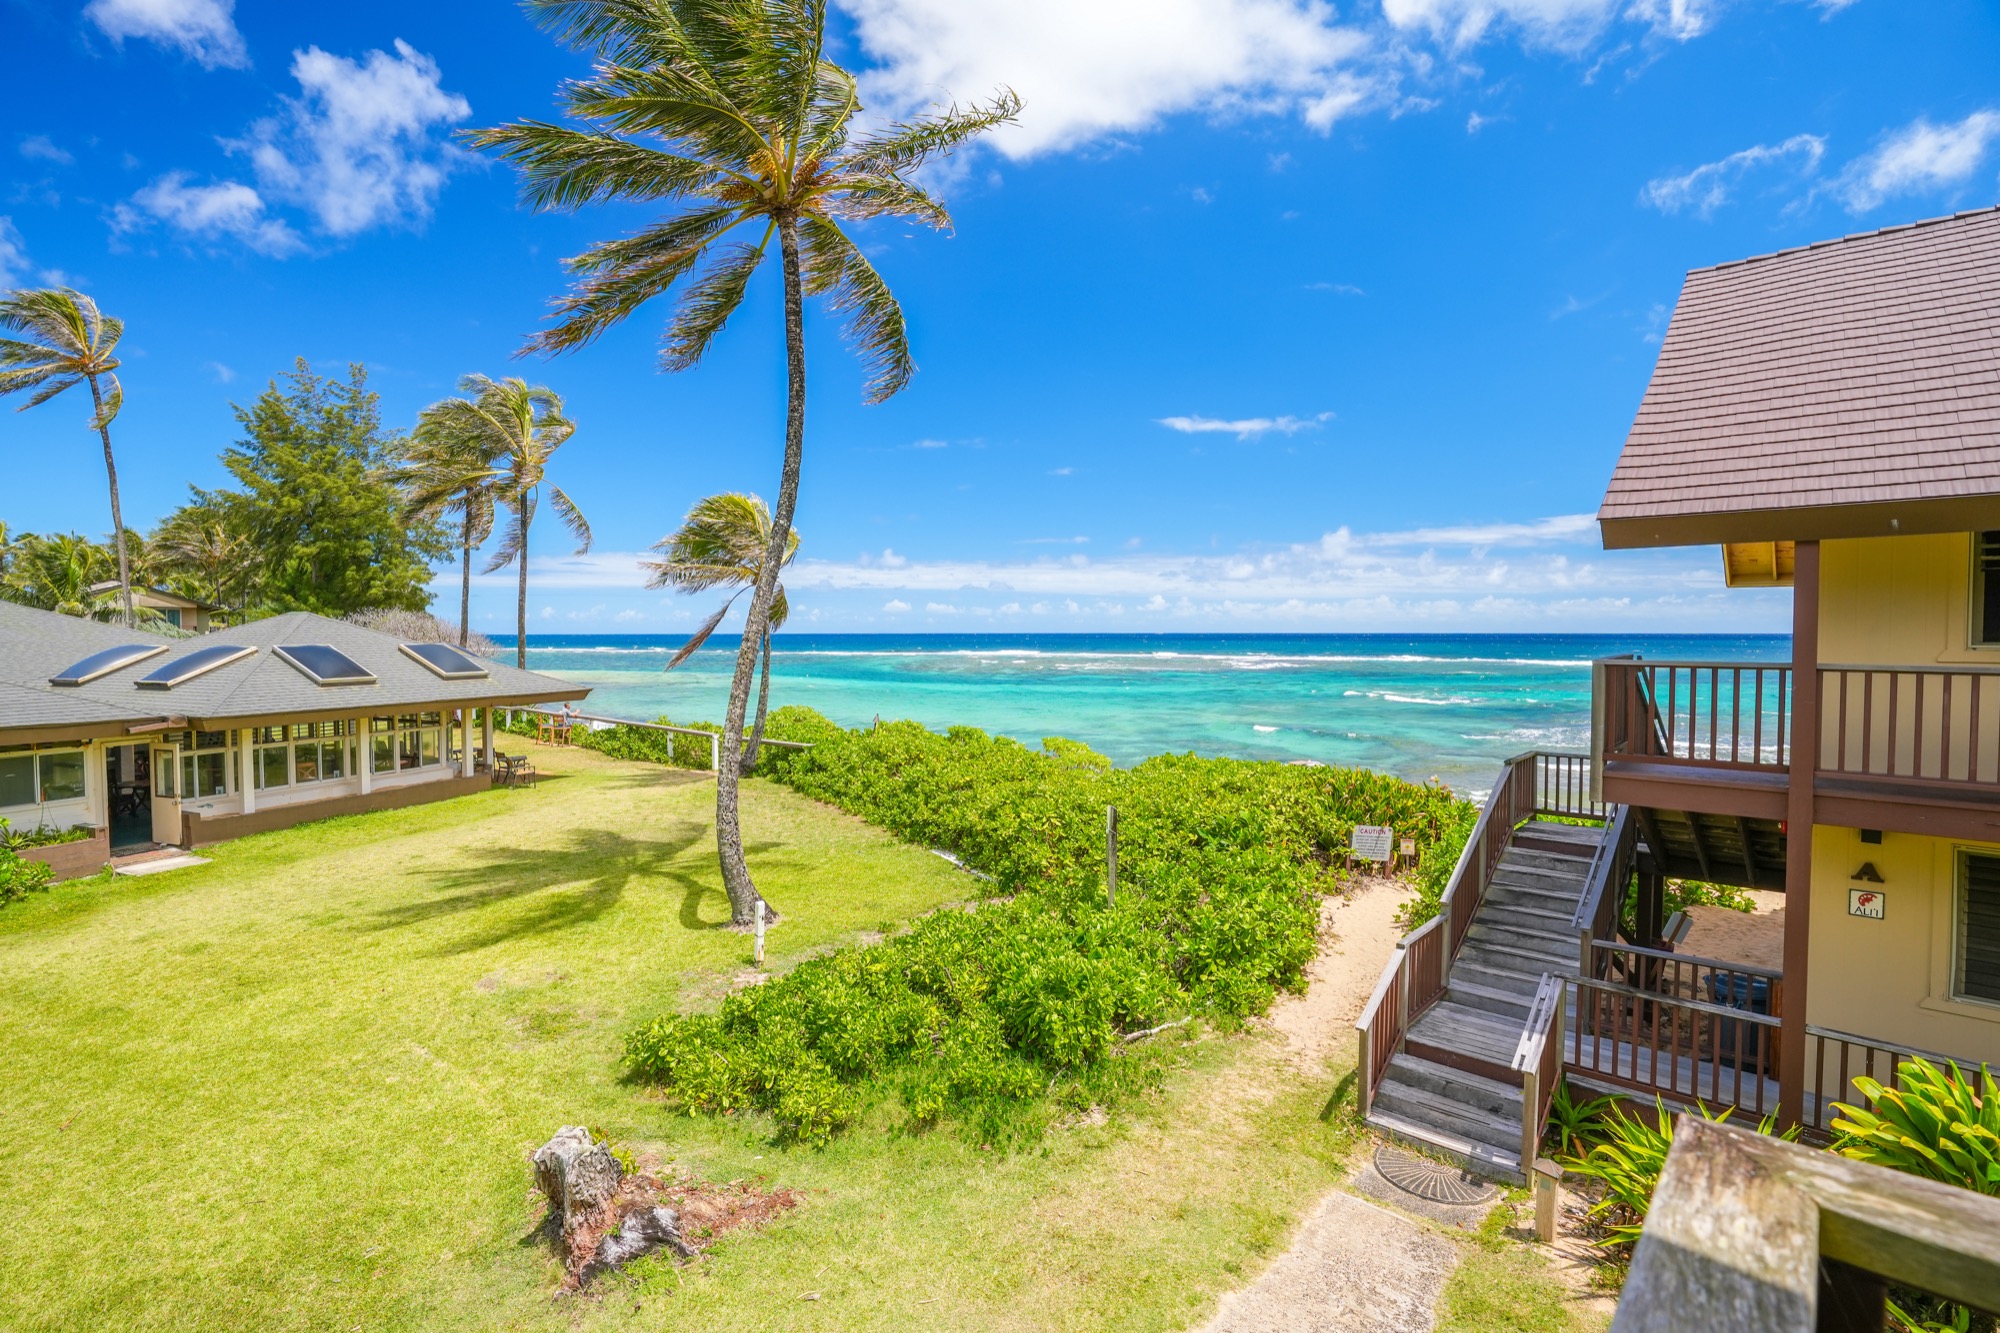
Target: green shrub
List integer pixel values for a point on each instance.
(43, 836)
(1220, 867)
(19, 875)
(1628, 1157)
(1943, 1127)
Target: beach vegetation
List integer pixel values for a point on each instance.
(1040, 989)
(722, 544)
(56, 339)
(61, 572)
(732, 112)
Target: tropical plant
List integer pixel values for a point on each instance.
(63, 573)
(63, 340)
(731, 109)
(722, 544)
(19, 875)
(1628, 1159)
(1943, 1126)
(1575, 1127)
(447, 471)
(515, 428)
(423, 627)
(198, 548)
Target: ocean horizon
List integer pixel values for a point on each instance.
(1446, 706)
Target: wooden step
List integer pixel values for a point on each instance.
(1538, 877)
(1528, 895)
(1440, 1111)
(1506, 1002)
(1487, 974)
(1479, 1158)
(1487, 1096)
(1526, 916)
(1545, 944)
(1536, 859)
(1463, 1030)
(1506, 958)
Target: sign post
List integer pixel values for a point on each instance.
(1372, 842)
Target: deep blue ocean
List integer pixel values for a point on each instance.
(1421, 706)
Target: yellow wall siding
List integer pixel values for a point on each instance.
(1898, 600)
(1891, 979)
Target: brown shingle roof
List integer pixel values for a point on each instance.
(1840, 389)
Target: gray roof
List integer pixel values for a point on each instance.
(35, 645)
(1847, 388)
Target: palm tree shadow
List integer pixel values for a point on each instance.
(526, 891)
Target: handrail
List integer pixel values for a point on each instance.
(1538, 1059)
(1693, 960)
(714, 737)
(1597, 909)
(1681, 1002)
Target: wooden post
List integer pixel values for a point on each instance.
(486, 736)
(1111, 856)
(715, 755)
(760, 932)
(1548, 1193)
(364, 750)
(1799, 832)
(247, 780)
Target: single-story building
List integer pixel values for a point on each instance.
(172, 608)
(186, 742)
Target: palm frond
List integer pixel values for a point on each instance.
(113, 394)
(700, 636)
(50, 390)
(563, 168)
(907, 145)
(572, 518)
(837, 270)
(705, 307)
(620, 276)
(860, 197)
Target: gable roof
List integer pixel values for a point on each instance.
(35, 645)
(1847, 388)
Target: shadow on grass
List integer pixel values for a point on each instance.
(547, 888)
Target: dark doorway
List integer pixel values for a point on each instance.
(128, 781)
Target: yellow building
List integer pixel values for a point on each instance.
(1828, 418)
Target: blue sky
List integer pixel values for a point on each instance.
(1271, 315)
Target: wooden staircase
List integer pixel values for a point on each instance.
(1453, 1087)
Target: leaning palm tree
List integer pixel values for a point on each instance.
(722, 544)
(63, 340)
(446, 472)
(516, 427)
(730, 110)
(197, 547)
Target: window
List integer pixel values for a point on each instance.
(205, 764)
(323, 664)
(1978, 960)
(1986, 589)
(446, 662)
(104, 663)
(205, 774)
(28, 777)
(413, 740)
(17, 779)
(197, 663)
(302, 752)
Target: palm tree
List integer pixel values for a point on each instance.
(515, 428)
(64, 340)
(722, 544)
(197, 545)
(731, 110)
(448, 471)
(61, 573)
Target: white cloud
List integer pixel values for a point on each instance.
(941, 608)
(222, 210)
(202, 29)
(1920, 156)
(1341, 288)
(47, 149)
(1061, 471)
(1564, 24)
(356, 148)
(223, 374)
(13, 255)
(1087, 70)
(1707, 187)
(1559, 528)
(931, 444)
(895, 605)
(1244, 428)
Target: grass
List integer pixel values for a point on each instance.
(296, 1088)
(1500, 1286)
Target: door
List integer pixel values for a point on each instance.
(166, 804)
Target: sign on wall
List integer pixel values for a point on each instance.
(1865, 902)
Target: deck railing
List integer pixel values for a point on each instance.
(1680, 1049)
(1562, 786)
(1680, 976)
(1386, 1016)
(1603, 898)
(1539, 1061)
(1927, 726)
(1835, 1059)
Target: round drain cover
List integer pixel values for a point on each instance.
(1432, 1181)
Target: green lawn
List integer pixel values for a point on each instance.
(296, 1089)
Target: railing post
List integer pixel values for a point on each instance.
(715, 753)
(1364, 1072)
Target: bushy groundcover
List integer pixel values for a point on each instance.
(1220, 866)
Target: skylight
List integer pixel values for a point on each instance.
(197, 663)
(446, 662)
(323, 664)
(104, 663)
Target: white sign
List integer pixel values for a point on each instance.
(1372, 843)
(1865, 902)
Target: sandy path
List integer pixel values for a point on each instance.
(1354, 1267)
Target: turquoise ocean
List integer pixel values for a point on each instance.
(1420, 706)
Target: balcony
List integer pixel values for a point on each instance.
(1916, 749)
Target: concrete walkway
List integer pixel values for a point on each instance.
(1356, 1267)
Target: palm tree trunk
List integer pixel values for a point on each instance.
(521, 605)
(117, 517)
(743, 895)
(465, 577)
(763, 704)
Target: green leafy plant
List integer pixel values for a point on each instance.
(19, 875)
(1941, 1126)
(1628, 1161)
(1575, 1127)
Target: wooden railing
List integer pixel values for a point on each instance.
(1835, 1059)
(1710, 714)
(1900, 724)
(1539, 1061)
(1420, 967)
(1680, 976)
(1684, 1050)
(1603, 899)
(1928, 726)
(1562, 786)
